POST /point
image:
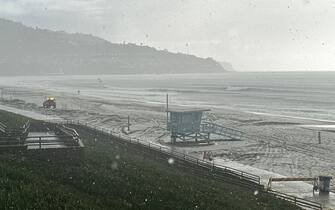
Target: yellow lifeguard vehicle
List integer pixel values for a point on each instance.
(50, 103)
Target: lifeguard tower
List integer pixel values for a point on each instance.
(186, 124)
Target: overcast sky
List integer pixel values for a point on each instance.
(253, 35)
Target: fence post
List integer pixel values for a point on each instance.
(40, 142)
(319, 137)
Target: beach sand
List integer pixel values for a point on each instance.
(279, 144)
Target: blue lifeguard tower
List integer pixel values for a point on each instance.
(186, 124)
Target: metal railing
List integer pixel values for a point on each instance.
(213, 128)
(3, 128)
(40, 141)
(303, 203)
(13, 137)
(18, 137)
(175, 154)
(14, 132)
(217, 171)
(68, 132)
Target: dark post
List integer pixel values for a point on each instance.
(40, 142)
(319, 137)
(167, 111)
(128, 123)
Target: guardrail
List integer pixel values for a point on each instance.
(217, 171)
(9, 144)
(14, 132)
(3, 127)
(243, 178)
(208, 127)
(53, 140)
(175, 154)
(18, 137)
(68, 131)
(13, 137)
(303, 203)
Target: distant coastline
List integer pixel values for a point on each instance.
(34, 51)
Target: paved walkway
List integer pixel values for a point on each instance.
(298, 189)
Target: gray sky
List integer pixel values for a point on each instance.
(262, 35)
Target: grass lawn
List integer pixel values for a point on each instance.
(12, 120)
(111, 176)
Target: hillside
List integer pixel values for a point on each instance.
(28, 51)
(113, 175)
(227, 66)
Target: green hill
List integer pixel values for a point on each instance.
(111, 175)
(29, 51)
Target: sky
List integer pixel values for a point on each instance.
(253, 35)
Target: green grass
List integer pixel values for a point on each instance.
(112, 176)
(12, 120)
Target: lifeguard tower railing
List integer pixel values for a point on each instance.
(228, 133)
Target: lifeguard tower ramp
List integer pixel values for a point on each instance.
(226, 133)
(186, 124)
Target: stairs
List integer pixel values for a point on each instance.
(3, 129)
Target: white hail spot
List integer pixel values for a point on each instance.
(171, 161)
(114, 165)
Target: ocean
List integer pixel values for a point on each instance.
(295, 94)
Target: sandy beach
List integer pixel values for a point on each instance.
(283, 144)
